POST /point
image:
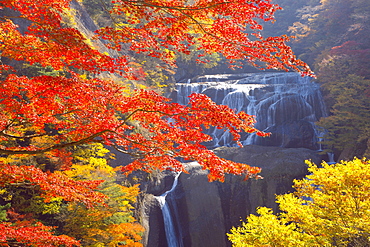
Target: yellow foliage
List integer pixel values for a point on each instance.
(38, 205)
(267, 230)
(13, 159)
(126, 233)
(92, 165)
(331, 207)
(111, 224)
(96, 169)
(92, 150)
(5, 195)
(69, 16)
(108, 224)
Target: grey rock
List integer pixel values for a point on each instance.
(207, 210)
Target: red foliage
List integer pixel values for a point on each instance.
(357, 56)
(44, 114)
(80, 110)
(63, 111)
(227, 27)
(28, 233)
(51, 184)
(156, 27)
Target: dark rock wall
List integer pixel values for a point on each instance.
(151, 219)
(207, 210)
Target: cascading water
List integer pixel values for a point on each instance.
(331, 158)
(285, 104)
(172, 236)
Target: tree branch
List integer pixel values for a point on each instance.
(57, 146)
(87, 139)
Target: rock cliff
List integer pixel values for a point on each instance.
(206, 211)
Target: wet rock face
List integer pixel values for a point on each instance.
(236, 198)
(293, 134)
(278, 100)
(207, 211)
(151, 219)
(204, 215)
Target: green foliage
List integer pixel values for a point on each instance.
(95, 226)
(349, 123)
(37, 70)
(329, 208)
(3, 211)
(37, 205)
(333, 37)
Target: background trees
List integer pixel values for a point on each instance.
(341, 67)
(326, 210)
(84, 202)
(333, 37)
(106, 224)
(348, 126)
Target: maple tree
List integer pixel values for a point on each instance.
(46, 114)
(33, 234)
(70, 110)
(329, 208)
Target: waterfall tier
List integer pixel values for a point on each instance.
(170, 217)
(285, 104)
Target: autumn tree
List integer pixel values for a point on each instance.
(30, 194)
(329, 208)
(70, 104)
(333, 36)
(330, 24)
(348, 127)
(103, 217)
(47, 113)
(322, 25)
(111, 222)
(345, 82)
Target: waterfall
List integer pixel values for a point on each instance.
(331, 158)
(284, 103)
(168, 217)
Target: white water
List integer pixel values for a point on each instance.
(331, 158)
(274, 98)
(172, 239)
